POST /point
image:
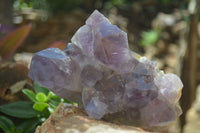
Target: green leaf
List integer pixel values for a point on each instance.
(41, 97)
(6, 124)
(44, 114)
(67, 101)
(40, 106)
(51, 95)
(54, 103)
(28, 125)
(38, 89)
(30, 94)
(19, 131)
(14, 130)
(13, 40)
(55, 97)
(21, 109)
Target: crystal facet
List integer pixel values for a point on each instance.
(107, 79)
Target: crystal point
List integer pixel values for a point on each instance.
(99, 72)
(51, 68)
(95, 19)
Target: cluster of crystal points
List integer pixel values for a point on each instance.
(99, 72)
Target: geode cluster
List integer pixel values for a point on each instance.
(99, 72)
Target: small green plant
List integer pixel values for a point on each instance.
(31, 113)
(149, 37)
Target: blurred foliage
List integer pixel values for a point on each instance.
(12, 39)
(149, 37)
(59, 44)
(119, 2)
(110, 3)
(20, 4)
(31, 113)
(8, 126)
(63, 5)
(49, 5)
(54, 6)
(10, 42)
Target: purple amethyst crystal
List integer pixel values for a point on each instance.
(107, 79)
(51, 68)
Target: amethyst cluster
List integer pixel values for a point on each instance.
(99, 72)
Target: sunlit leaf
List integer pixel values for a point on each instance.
(30, 94)
(13, 40)
(40, 106)
(51, 95)
(59, 44)
(41, 97)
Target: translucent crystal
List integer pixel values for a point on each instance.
(107, 79)
(90, 75)
(51, 68)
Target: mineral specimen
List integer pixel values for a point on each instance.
(99, 71)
